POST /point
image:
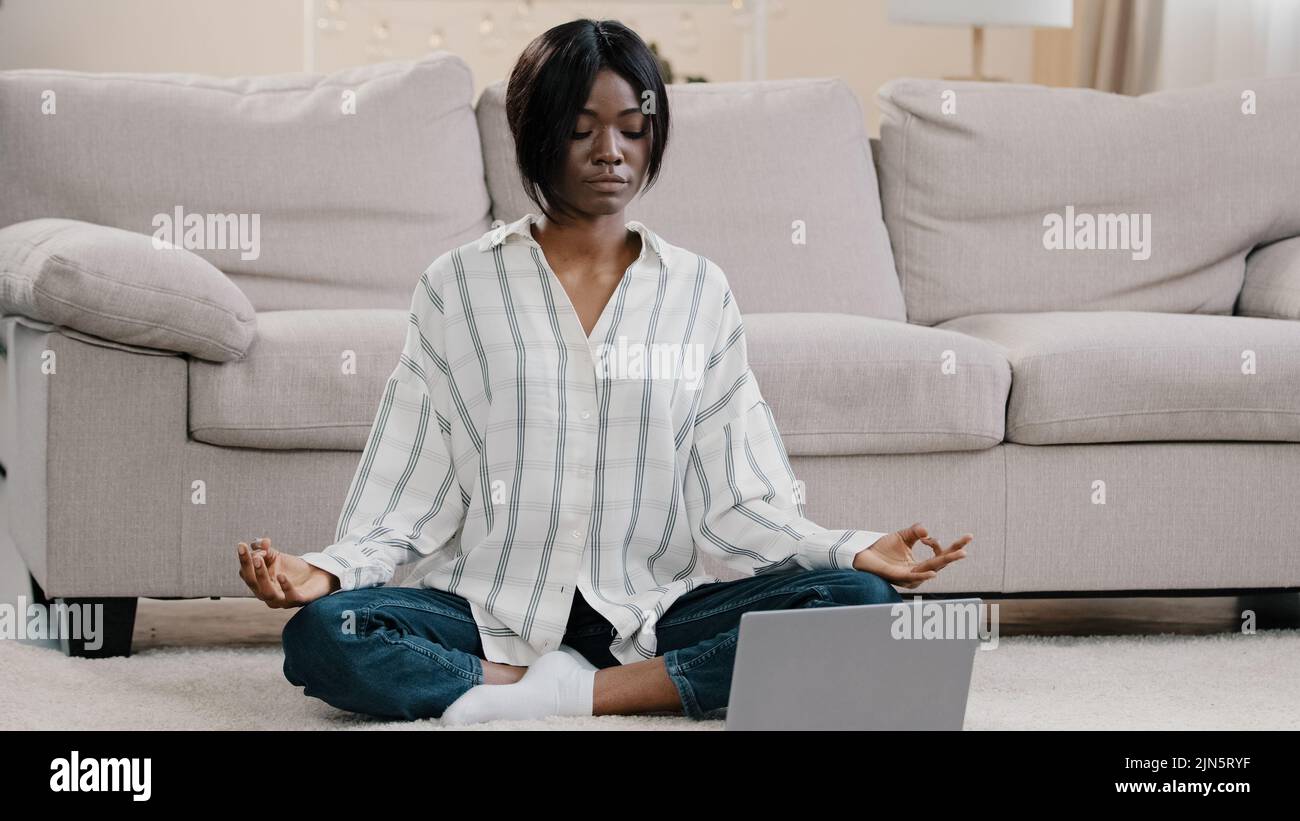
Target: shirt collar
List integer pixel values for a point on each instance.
(520, 228)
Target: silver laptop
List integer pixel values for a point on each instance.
(840, 668)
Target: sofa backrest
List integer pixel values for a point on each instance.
(748, 164)
(989, 191)
(348, 184)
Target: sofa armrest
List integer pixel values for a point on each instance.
(93, 439)
(122, 286)
(1272, 285)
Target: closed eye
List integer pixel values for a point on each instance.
(632, 135)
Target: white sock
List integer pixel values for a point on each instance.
(579, 657)
(555, 685)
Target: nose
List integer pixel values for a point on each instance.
(605, 148)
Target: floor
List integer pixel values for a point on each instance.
(1167, 664)
(1135, 662)
(229, 622)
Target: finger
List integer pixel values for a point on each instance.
(291, 593)
(258, 545)
(966, 539)
(263, 575)
(267, 587)
(947, 559)
(246, 571)
(953, 553)
(932, 563)
(254, 580)
(913, 532)
(939, 562)
(271, 552)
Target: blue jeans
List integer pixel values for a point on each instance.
(405, 652)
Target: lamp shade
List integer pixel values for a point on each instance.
(1040, 13)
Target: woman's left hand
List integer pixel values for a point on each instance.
(890, 557)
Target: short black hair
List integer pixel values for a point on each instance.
(549, 86)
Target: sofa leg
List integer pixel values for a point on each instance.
(38, 595)
(1273, 611)
(113, 631)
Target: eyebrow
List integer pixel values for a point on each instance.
(633, 110)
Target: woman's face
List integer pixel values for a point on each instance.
(611, 139)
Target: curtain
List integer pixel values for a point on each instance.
(1118, 44)
(1208, 41)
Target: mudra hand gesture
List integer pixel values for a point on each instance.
(282, 579)
(890, 557)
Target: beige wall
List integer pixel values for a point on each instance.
(193, 36)
(846, 38)
(854, 40)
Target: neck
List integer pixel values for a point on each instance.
(600, 238)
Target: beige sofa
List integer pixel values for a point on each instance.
(1101, 422)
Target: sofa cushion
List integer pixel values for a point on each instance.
(1272, 286)
(312, 379)
(989, 190)
(117, 285)
(1080, 377)
(746, 162)
(326, 208)
(840, 384)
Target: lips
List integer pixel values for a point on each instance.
(607, 184)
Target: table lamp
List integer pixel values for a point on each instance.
(981, 13)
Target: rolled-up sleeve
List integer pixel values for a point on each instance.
(404, 502)
(742, 499)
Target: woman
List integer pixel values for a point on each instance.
(571, 424)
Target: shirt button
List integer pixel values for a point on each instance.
(577, 534)
(586, 414)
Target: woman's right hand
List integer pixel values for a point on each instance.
(282, 579)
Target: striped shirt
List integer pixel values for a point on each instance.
(528, 462)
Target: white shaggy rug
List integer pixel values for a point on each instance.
(1153, 682)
